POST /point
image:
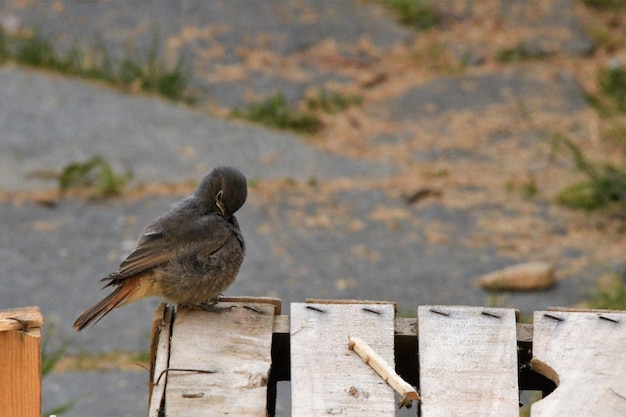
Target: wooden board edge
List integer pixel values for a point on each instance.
(159, 354)
(157, 321)
(583, 310)
(276, 302)
(22, 318)
(350, 301)
(407, 326)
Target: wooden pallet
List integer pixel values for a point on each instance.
(470, 361)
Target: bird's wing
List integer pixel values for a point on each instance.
(152, 250)
(158, 247)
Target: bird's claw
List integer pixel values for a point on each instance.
(212, 307)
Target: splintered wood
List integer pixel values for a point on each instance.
(20, 359)
(584, 353)
(467, 361)
(219, 363)
(328, 379)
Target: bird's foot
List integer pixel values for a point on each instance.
(214, 308)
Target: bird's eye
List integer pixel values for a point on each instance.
(219, 196)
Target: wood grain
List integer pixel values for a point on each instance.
(326, 377)
(584, 353)
(227, 358)
(20, 362)
(468, 361)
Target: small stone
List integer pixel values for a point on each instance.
(529, 276)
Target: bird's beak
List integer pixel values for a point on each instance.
(220, 205)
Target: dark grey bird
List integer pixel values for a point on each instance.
(189, 255)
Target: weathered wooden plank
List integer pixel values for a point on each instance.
(20, 362)
(467, 361)
(159, 357)
(326, 377)
(584, 353)
(231, 355)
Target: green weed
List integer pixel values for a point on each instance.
(518, 53)
(604, 185)
(275, 112)
(49, 361)
(528, 188)
(417, 14)
(610, 294)
(333, 102)
(612, 82)
(606, 4)
(96, 174)
(150, 74)
(142, 357)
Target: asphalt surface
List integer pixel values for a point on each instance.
(308, 236)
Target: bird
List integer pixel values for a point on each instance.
(187, 256)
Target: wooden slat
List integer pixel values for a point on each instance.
(235, 346)
(326, 377)
(584, 353)
(468, 361)
(20, 362)
(159, 357)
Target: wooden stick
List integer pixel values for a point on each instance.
(386, 372)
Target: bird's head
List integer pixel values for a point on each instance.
(224, 189)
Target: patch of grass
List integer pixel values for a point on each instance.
(142, 358)
(149, 74)
(606, 4)
(96, 174)
(602, 107)
(518, 53)
(152, 75)
(417, 14)
(333, 102)
(35, 51)
(605, 36)
(106, 361)
(254, 182)
(528, 188)
(275, 112)
(612, 82)
(49, 361)
(604, 185)
(436, 55)
(610, 294)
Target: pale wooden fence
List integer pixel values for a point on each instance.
(465, 361)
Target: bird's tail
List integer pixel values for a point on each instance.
(126, 292)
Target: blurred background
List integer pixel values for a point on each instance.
(394, 149)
